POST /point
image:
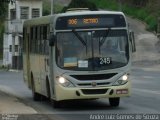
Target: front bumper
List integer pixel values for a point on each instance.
(64, 93)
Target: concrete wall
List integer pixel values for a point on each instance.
(7, 55)
(14, 28)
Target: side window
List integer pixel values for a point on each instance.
(44, 32)
(32, 40)
(43, 38)
(24, 39)
(39, 40)
(36, 40)
(46, 39)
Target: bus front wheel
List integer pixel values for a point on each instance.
(56, 104)
(114, 101)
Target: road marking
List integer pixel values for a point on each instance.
(147, 91)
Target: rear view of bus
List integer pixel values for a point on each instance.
(89, 57)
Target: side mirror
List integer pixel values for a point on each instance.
(52, 40)
(132, 39)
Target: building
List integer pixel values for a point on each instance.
(18, 12)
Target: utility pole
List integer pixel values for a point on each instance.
(120, 5)
(52, 7)
(13, 42)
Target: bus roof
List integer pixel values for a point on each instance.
(90, 13)
(48, 19)
(36, 21)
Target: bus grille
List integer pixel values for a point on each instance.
(90, 84)
(94, 91)
(94, 77)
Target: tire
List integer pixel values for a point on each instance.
(36, 96)
(56, 104)
(48, 90)
(114, 102)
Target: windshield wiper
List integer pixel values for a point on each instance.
(79, 37)
(104, 38)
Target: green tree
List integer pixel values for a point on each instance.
(47, 7)
(3, 11)
(81, 4)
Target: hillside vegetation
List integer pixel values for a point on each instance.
(80, 4)
(145, 10)
(47, 7)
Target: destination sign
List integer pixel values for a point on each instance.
(84, 21)
(90, 21)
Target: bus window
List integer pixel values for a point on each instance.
(36, 39)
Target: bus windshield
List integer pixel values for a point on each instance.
(92, 50)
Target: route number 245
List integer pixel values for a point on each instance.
(105, 61)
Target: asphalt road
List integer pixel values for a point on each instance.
(145, 78)
(144, 99)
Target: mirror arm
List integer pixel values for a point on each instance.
(52, 40)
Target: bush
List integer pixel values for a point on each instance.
(110, 4)
(47, 8)
(152, 23)
(81, 4)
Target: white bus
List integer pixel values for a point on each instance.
(78, 55)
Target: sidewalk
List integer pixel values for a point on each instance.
(11, 105)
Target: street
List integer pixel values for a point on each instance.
(144, 99)
(145, 76)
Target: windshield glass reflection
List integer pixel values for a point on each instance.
(92, 50)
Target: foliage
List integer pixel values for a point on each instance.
(3, 11)
(47, 8)
(1, 38)
(145, 10)
(109, 4)
(81, 4)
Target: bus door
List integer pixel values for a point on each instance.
(28, 57)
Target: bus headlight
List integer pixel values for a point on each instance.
(61, 80)
(122, 80)
(64, 82)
